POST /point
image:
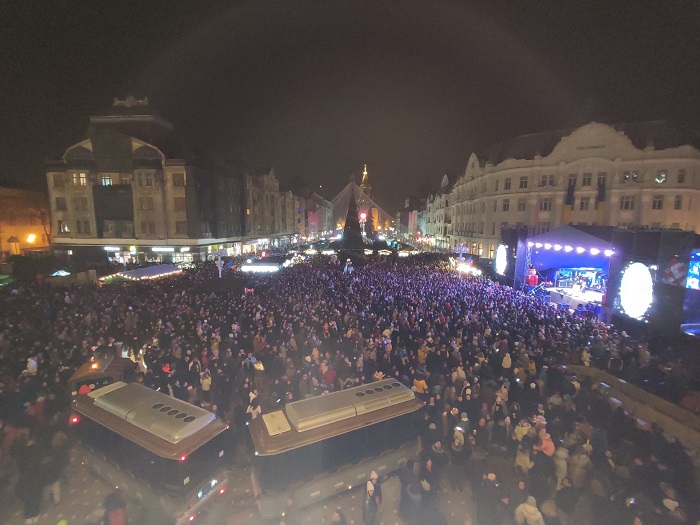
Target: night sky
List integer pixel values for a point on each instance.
(316, 89)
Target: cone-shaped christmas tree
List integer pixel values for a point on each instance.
(352, 233)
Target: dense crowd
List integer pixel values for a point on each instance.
(488, 360)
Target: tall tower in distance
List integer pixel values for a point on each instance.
(365, 186)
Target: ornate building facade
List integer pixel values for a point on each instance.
(627, 176)
(132, 189)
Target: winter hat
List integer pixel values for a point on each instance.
(373, 475)
(670, 504)
(531, 501)
(464, 417)
(432, 426)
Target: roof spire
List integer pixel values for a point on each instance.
(365, 186)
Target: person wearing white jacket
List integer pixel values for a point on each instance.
(528, 514)
(561, 464)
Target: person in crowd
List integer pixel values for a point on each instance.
(369, 506)
(528, 514)
(115, 509)
(338, 517)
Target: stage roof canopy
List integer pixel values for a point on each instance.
(572, 247)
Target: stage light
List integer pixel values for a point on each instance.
(580, 250)
(557, 247)
(547, 246)
(608, 253)
(636, 290)
(530, 244)
(501, 260)
(538, 245)
(595, 251)
(567, 248)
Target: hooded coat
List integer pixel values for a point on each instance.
(528, 513)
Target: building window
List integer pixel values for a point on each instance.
(493, 228)
(81, 204)
(627, 202)
(585, 203)
(506, 205)
(586, 180)
(523, 183)
(522, 204)
(678, 202)
(546, 204)
(179, 204)
(178, 179)
(547, 180)
(106, 180)
(496, 187)
(181, 227)
(63, 227)
(61, 204)
(79, 226)
(144, 179)
(495, 205)
(625, 176)
(146, 203)
(58, 181)
(506, 184)
(573, 178)
(543, 227)
(681, 176)
(79, 179)
(658, 202)
(602, 178)
(660, 177)
(86, 226)
(676, 225)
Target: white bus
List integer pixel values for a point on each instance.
(177, 450)
(318, 447)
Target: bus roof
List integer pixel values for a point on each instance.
(166, 426)
(311, 420)
(107, 366)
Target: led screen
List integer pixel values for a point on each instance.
(501, 260)
(636, 290)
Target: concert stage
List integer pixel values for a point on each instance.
(574, 296)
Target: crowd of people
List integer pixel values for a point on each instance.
(488, 360)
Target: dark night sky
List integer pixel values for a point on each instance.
(315, 89)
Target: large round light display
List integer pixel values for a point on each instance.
(501, 260)
(636, 290)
